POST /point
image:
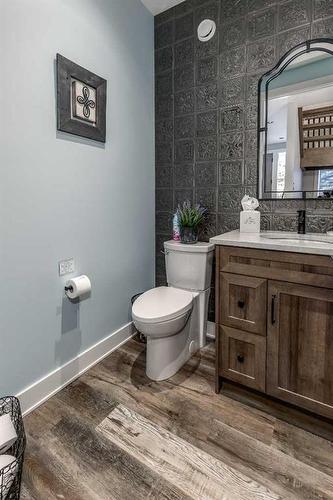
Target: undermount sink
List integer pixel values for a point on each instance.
(298, 238)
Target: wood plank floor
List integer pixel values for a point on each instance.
(114, 434)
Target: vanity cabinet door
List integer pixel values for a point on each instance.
(300, 346)
(243, 357)
(243, 302)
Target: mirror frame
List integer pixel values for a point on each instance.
(292, 54)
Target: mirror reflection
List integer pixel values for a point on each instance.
(295, 153)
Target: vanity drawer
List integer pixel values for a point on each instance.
(243, 357)
(243, 302)
(305, 269)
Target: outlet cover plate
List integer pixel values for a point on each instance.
(66, 267)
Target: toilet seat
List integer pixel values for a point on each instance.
(162, 304)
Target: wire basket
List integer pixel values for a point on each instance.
(10, 476)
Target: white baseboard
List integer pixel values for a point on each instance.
(37, 393)
(210, 329)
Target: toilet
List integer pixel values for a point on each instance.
(174, 317)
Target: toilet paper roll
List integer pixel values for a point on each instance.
(9, 475)
(8, 434)
(76, 287)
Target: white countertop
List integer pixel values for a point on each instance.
(313, 243)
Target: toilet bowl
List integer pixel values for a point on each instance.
(174, 318)
(162, 315)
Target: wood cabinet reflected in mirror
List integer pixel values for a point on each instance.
(295, 126)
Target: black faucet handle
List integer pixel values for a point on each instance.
(301, 225)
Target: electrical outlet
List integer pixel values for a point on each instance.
(66, 267)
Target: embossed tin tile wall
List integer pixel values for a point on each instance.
(206, 111)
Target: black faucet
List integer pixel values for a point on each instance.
(301, 224)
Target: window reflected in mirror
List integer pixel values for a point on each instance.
(295, 153)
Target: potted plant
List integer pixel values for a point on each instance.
(189, 220)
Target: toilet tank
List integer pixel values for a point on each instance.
(189, 266)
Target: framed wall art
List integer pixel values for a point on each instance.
(81, 100)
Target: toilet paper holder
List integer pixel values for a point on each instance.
(77, 287)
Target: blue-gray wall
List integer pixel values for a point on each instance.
(307, 72)
(62, 196)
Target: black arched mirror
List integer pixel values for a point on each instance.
(295, 125)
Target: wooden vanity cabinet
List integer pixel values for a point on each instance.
(274, 324)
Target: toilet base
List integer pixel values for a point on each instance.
(166, 355)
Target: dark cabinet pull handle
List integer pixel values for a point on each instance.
(273, 309)
(240, 358)
(241, 304)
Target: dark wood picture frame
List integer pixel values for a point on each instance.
(67, 72)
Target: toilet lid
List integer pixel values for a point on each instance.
(161, 304)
